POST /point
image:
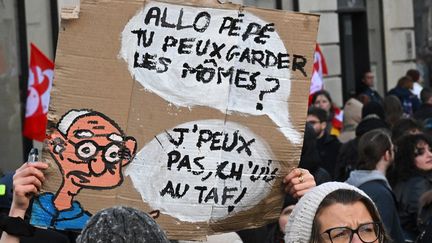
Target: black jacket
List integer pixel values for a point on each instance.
(373, 95)
(328, 148)
(385, 201)
(407, 194)
(424, 112)
(375, 185)
(409, 101)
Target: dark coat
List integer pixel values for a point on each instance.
(373, 95)
(409, 101)
(407, 194)
(385, 201)
(328, 148)
(424, 112)
(425, 218)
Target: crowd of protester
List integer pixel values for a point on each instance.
(384, 149)
(371, 163)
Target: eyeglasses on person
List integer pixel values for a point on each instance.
(367, 233)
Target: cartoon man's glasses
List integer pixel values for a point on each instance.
(111, 153)
(368, 233)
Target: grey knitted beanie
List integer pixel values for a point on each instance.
(299, 226)
(122, 224)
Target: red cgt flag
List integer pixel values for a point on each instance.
(41, 74)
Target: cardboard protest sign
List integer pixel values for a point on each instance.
(192, 108)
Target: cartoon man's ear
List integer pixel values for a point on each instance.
(57, 144)
(130, 150)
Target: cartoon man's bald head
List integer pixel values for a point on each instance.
(91, 149)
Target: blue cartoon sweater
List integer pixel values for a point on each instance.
(45, 214)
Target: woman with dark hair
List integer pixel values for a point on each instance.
(323, 100)
(335, 212)
(375, 151)
(410, 177)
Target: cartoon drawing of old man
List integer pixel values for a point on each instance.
(90, 150)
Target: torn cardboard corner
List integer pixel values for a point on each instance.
(196, 110)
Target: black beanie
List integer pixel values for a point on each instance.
(122, 225)
(370, 123)
(373, 108)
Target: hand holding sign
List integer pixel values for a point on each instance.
(298, 182)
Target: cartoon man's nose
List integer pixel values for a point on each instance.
(97, 166)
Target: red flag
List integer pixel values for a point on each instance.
(319, 70)
(41, 74)
(320, 62)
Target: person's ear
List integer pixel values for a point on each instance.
(388, 155)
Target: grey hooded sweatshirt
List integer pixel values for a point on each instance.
(375, 185)
(359, 177)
